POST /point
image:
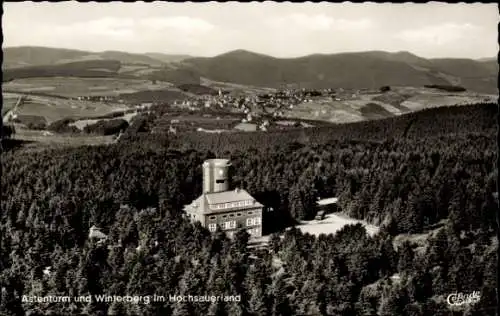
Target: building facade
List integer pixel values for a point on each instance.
(219, 206)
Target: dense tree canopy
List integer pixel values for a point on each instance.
(432, 171)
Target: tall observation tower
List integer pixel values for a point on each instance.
(216, 175)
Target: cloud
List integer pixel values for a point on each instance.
(438, 34)
(128, 28)
(320, 22)
(116, 28)
(179, 23)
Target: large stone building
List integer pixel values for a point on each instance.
(221, 206)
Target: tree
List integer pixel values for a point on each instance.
(275, 242)
(420, 286)
(183, 308)
(296, 205)
(258, 302)
(406, 257)
(394, 304)
(241, 241)
(281, 304)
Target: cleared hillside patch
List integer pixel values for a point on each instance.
(75, 87)
(374, 111)
(53, 109)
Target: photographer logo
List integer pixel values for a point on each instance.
(459, 299)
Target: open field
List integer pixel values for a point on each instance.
(358, 106)
(8, 102)
(332, 223)
(53, 109)
(234, 87)
(81, 124)
(329, 225)
(74, 87)
(41, 140)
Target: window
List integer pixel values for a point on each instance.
(228, 205)
(241, 203)
(224, 216)
(212, 217)
(239, 214)
(247, 202)
(249, 221)
(250, 213)
(220, 181)
(253, 221)
(234, 204)
(212, 227)
(230, 225)
(231, 215)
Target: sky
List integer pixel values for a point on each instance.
(431, 30)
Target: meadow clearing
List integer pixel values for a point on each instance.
(53, 109)
(74, 87)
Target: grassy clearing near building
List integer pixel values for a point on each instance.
(332, 223)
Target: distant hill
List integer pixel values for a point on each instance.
(347, 70)
(166, 58)
(37, 56)
(127, 58)
(89, 69)
(487, 59)
(24, 56)
(371, 69)
(479, 76)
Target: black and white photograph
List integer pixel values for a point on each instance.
(249, 159)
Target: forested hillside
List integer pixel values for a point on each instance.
(409, 174)
(370, 69)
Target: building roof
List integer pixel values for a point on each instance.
(228, 196)
(328, 201)
(197, 204)
(201, 203)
